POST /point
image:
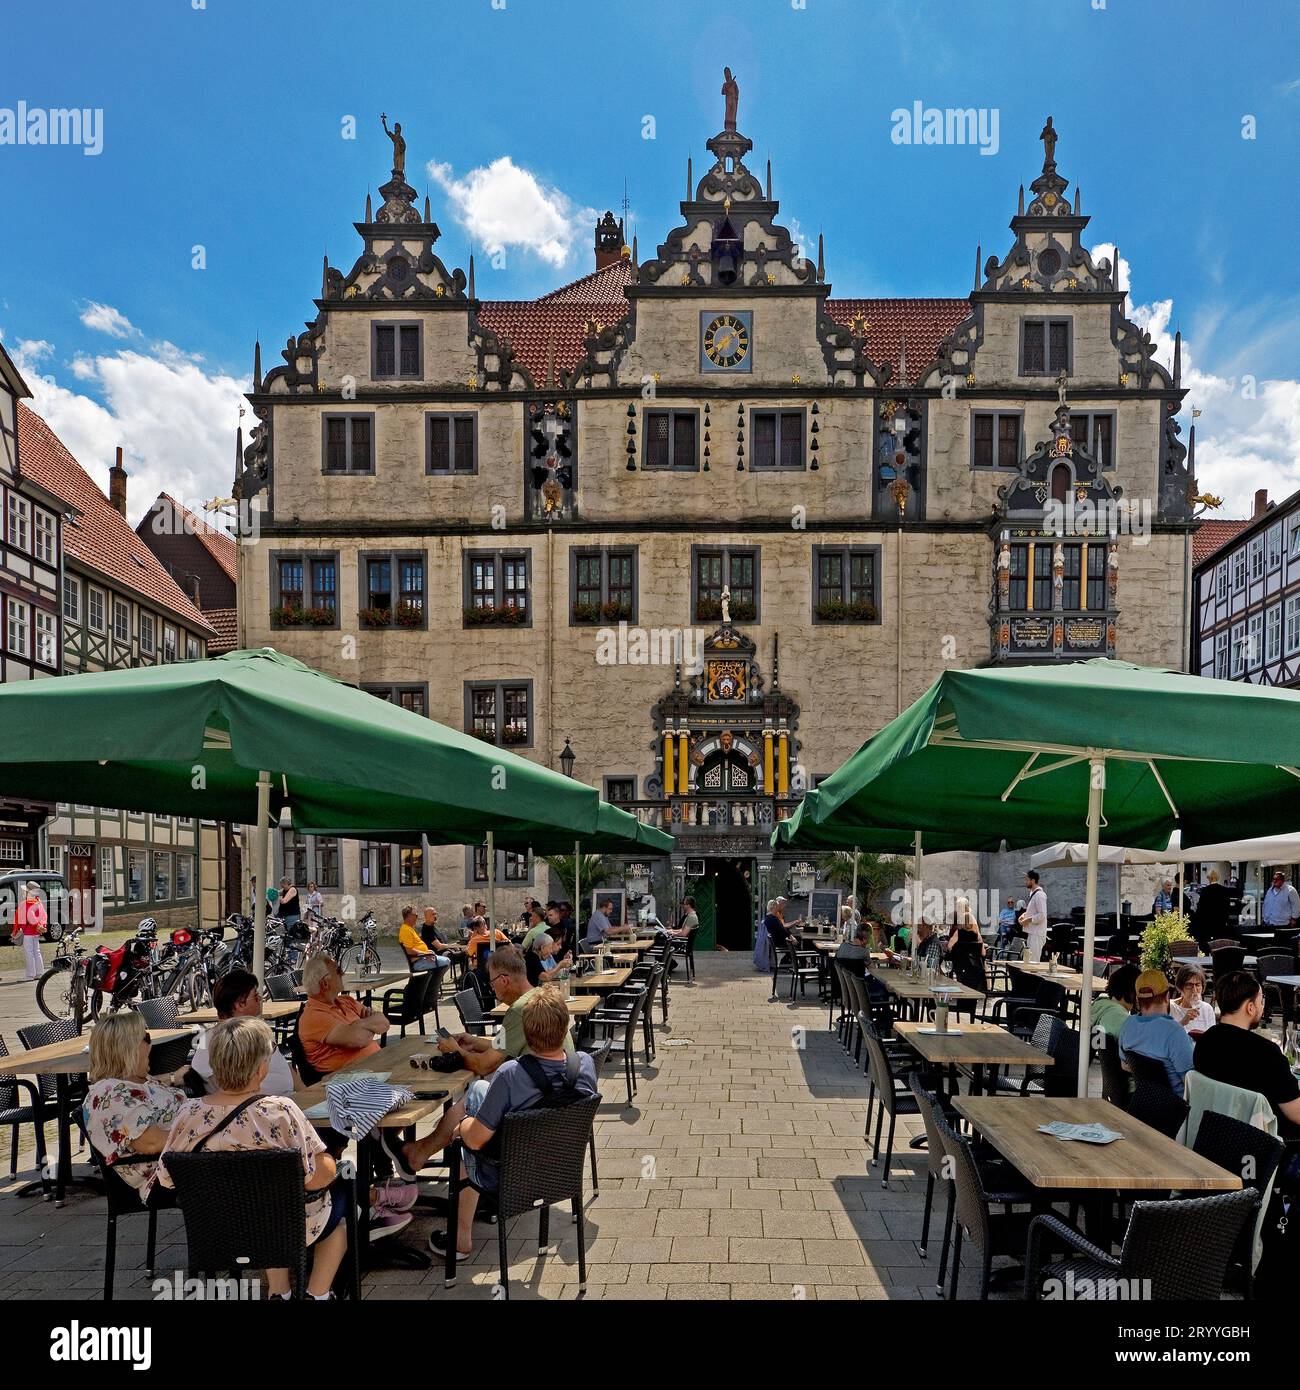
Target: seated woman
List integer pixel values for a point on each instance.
(1191, 1010)
(240, 1051)
(126, 1111)
(966, 948)
(478, 938)
(540, 959)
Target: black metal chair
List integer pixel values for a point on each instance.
(281, 988)
(406, 1004)
(472, 1017)
(995, 1233)
(619, 1025)
(1020, 1012)
(1243, 1149)
(36, 1035)
(895, 1098)
(1271, 964)
(39, 1108)
(800, 965)
(242, 1211)
(1116, 1084)
(1172, 1251)
(541, 1159)
(124, 1200)
(685, 947)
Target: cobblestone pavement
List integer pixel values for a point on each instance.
(738, 1173)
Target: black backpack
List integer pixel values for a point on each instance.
(555, 1092)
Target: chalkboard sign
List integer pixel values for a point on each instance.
(824, 907)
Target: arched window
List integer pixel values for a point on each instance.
(1061, 482)
(726, 772)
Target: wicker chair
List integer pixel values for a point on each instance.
(1224, 959)
(1241, 1148)
(542, 1153)
(124, 1200)
(1020, 1012)
(685, 947)
(407, 1004)
(1061, 1042)
(159, 1013)
(42, 1035)
(472, 1017)
(13, 1113)
(281, 988)
(1277, 963)
(1154, 1102)
(1116, 1084)
(1182, 1248)
(936, 1170)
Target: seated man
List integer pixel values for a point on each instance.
(334, 1028)
(929, 946)
(236, 995)
(598, 924)
(1151, 1032)
(1006, 923)
(432, 937)
(508, 976)
(418, 955)
(534, 925)
(1111, 1011)
(1234, 1053)
(856, 953)
(545, 1061)
(478, 938)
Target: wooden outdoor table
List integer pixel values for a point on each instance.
(580, 1006)
(977, 1045)
(914, 993)
(272, 1010)
(605, 979)
(63, 1061)
(1207, 962)
(1070, 980)
(620, 957)
(1142, 1161)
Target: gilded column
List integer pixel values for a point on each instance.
(769, 778)
(783, 763)
(683, 762)
(670, 762)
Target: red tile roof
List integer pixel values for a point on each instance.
(225, 622)
(531, 326)
(101, 538)
(1214, 535)
(217, 543)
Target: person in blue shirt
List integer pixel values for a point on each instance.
(598, 924)
(1152, 1032)
(1164, 899)
(1006, 923)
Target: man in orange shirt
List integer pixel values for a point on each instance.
(29, 924)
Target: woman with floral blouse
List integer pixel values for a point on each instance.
(126, 1112)
(239, 1050)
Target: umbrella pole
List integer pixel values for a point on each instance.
(1096, 788)
(492, 891)
(577, 889)
(917, 895)
(855, 883)
(261, 853)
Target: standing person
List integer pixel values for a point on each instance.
(30, 922)
(314, 900)
(1034, 918)
(1210, 920)
(1281, 902)
(290, 903)
(1164, 899)
(966, 948)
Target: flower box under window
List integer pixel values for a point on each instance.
(290, 616)
(493, 615)
(708, 609)
(407, 615)
(835, 610)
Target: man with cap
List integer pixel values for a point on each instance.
(1152, 1032)
(29, 924)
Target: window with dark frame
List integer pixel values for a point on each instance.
(497, 587)
(452, 443)
(845, 580)
(297, 851)
(348, 444)
(777, 439)
(995, 439)
(1095, 433)
(619, 791)
(324, 582)
(500, 713)
(376, 865)
(291, 582)
(1044, 346)
(604, 586)
(327, 862)
(1083, 582)
(511, 866)
(397, 350)
(670, 440)
(410, 697)
(727, 568)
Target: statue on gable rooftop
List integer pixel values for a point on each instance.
(399, 145)
(731, 91)
(1048, 136)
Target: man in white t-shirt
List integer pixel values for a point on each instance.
(1034, 918)
(236, 995)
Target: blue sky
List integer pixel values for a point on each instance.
(223, 127)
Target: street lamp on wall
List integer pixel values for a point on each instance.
(567, 759)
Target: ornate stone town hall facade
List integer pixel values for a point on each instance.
(832, 498)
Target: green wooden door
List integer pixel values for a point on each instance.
(702, 890)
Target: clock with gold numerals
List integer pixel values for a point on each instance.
(727, 341)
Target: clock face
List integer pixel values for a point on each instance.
(726, 341)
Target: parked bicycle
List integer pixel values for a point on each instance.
(360, 955)
(61, 988)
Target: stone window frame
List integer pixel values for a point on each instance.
(393, 557)
(397, 374)
(395, 866)
(618, 777)
(847, 551)
(507, 552)
(450, 470)
(309, 559)
(996, 414)
(1092, 416)
(1048, 369)
(779, 410)
(349, 471)
(500, 686)
(384, 691)
(577, 552)
(472, 854)
(726, 551)
(673, 466)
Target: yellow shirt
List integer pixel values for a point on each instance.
(411, 941)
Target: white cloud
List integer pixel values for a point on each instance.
(174, 418)
(503, 206)
(1248, 432)
(103, 318)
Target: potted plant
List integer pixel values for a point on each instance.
(707, 609)
(586, 613)
(375, 617)
(408, 615)
(1165, 928)
(289, 615)
(616, 612)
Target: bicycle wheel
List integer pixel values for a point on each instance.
(368, 962)
(55, 992)
(196, 990)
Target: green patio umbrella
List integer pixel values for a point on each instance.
(1036, 754)
(241, 736)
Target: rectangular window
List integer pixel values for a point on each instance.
(18, 632)
(47, 649)
(670, 439)
(71, 599)
(396, 350)
(412, 866)
(1255, 641)
(1018, 582)
(1239, 569)
(324, 583)
(845, 583)
(379, 583)
(451, 443)
(146, 634)
(410, 584)
(602, 584)
(1293, 625)
(1044, 346)
(184, 876)
(191, 648)
(1238, 648)
(18, 530)
(412, 697)
(776, 439)
(500, 713)
(45, 536)
(734, 569)
(1095, 433)
(136, 868)
(107, 887)
(995, 439)
(1072, 576)
(496, 587)
(1273, 633)
(376, 865)
(327, 862)
(162, 877)
(1256, 558)
(1043, 578)
(96, 612)
(1221, 582)
(1221, 655)
(620, 790)
(1273, 548)
(1293, 542)
(169, 642)
(121, 621)
(511, 867)
(1096, 578)
(348, 444)
(295, 851)
(291, 582)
